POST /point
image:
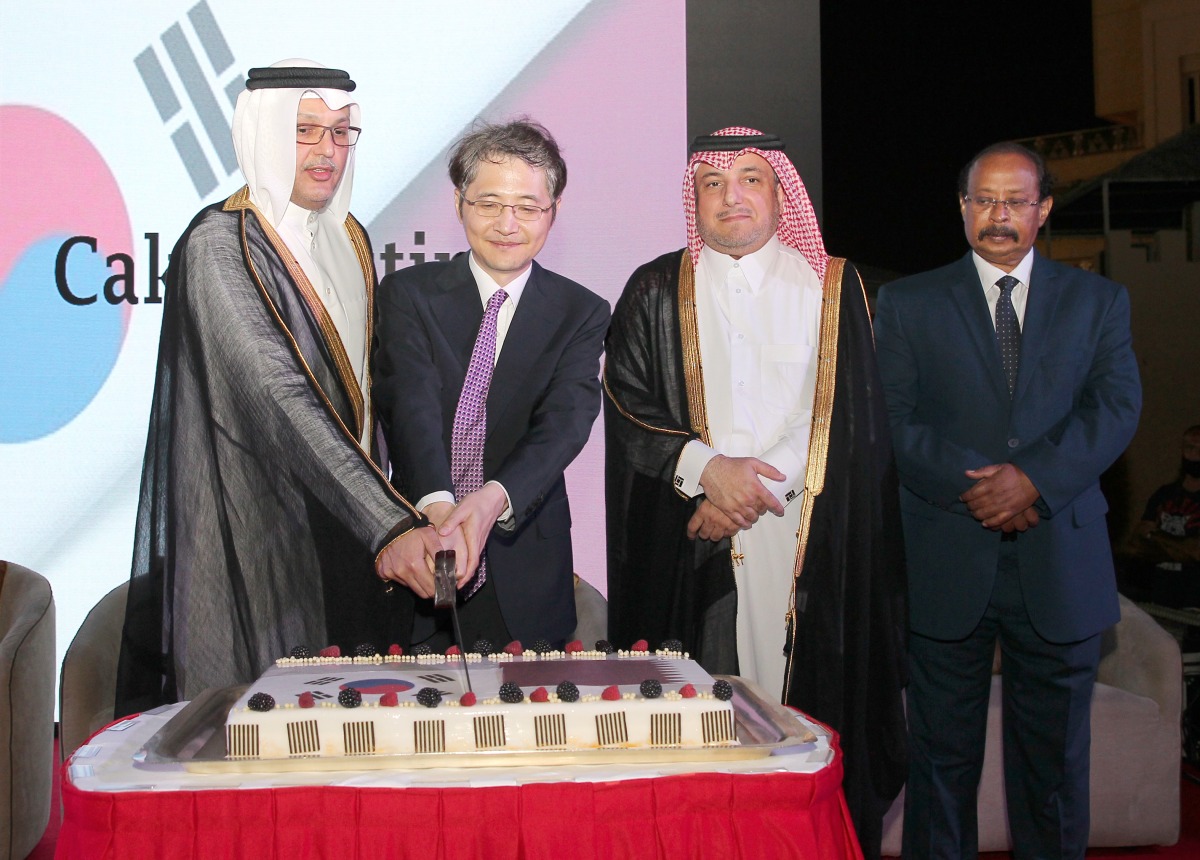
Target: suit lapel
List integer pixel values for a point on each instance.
(532, 326)
(1040, 306)
(456, 307)
(977, 319)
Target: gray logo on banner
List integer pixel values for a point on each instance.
(200, 89)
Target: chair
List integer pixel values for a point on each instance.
(87, 689)
(1136, 709)
(591, 613)
(26, 708)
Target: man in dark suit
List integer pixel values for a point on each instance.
(1011, 385)
(486, 381)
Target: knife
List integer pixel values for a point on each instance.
(445, 595)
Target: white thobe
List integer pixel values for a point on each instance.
(328, 258)
(759, 320)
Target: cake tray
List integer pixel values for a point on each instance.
(195, 739)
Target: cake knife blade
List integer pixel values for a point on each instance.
(445, 595)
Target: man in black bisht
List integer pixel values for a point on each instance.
(741, 381)
(264, 517)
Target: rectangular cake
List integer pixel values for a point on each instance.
(404, 705)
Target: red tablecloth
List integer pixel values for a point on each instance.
(726, 815)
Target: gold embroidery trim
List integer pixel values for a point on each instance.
(818, 438)
(693, 369)
(630, 416)
(362, 248)
(337, 351)
(693, 365)
(235, 205)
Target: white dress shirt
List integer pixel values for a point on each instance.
(487, 286)
(989, 274)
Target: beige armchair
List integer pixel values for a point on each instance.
(26, 708)
(87, 688)
(1136, 709)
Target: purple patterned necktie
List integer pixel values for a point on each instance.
(470, 418)
(1008, 331)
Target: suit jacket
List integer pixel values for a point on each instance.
(1073, 412)
(544, 396)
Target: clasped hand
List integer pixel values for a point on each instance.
(465, 527)
(734, 496)
(1002, 498)
(408, 560)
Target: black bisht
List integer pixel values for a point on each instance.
(847, 666)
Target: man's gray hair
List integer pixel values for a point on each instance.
(521, 138)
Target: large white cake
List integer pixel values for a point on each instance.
(397, 706)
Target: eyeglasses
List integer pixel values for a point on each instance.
(343, 135)
(987, 204)
(492, 209)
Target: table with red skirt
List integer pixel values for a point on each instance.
(785, 805)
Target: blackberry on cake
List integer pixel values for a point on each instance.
(430, 697)
(261, 702)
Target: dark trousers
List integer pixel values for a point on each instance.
(1047, 692)
(479, 618)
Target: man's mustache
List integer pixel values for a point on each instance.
(998, 232)
(319, 161)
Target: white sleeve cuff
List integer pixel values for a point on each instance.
(433, 498)
(692, 460)
(782, 456)
(507, 513)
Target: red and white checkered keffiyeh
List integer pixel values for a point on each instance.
(797, 223)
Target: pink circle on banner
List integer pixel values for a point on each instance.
(59, 343)
(63, 186)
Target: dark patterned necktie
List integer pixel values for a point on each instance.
(1008, 331)
(470, 418)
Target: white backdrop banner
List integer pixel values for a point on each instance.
(115, 131)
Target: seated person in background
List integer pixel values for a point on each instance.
(1168, 536)
(486, 380)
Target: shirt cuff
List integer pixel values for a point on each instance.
(433, 498)
(507, 513)
(783, 457)
(692, 460)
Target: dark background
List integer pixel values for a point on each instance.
(909, 91)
